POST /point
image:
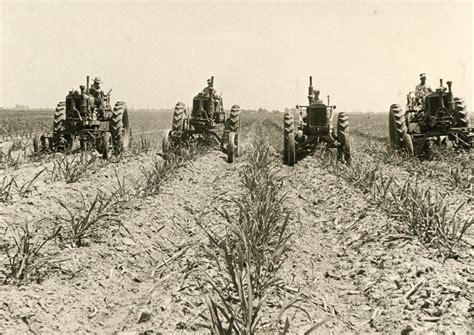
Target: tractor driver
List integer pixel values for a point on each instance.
(316, 96)
(98, 94)
(422, 88)
(208, 90)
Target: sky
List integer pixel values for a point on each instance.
(366, 55)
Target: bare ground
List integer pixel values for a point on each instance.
(146, 272)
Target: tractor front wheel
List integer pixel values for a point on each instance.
(231, 147)
(291, 154)
(107, 145)
(408, 145)
(166, 143)
(37, 146)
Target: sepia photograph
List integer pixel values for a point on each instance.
(236, 167)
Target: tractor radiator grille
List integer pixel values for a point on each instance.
(69, 107)
(434, 104)
(317, 116)
(196, 104)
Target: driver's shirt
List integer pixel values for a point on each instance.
(98, 95)
(423, 90)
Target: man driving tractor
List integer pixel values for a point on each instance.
(316, 96)
(208, 90)
(98, 94)
(422, 88)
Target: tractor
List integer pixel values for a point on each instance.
(85, 122)
(315, 127)
(436, 119)
(205, 122)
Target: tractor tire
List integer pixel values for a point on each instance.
(107, 145)
(231, 147)
(234, 126)
(462, 115)
(37, 146)
(179, 117)
(288, 128)
(59, 117)
(166, 144)
(59, 142)
(397, 126)
(291, 154)
(234, 119)
(408, 145)
(119, 127)
(344, 148)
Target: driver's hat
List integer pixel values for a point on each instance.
(97, 80)
(422, 75)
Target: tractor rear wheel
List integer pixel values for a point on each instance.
(408, 145)
(397, 126)
(234, 126)
(461, 113)
(288, 128)
(231, 147)
(344, 148)
(107, 145)
(59, 117)
(179, 117)
(120, 127)
(60, 143)
(234, 119)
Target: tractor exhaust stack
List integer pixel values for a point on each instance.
(450, 95)
(310, 89)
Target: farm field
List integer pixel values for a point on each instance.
(190, 243)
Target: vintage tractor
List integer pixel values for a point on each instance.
(315, 127)
(437, 118)
(85, 122)
(203, 124)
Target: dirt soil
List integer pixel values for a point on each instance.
(144, 274)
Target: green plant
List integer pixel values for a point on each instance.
(164, 169)
(423, 213)
(6, 186)
(25, 257)
(85, 221)
(72, 168)
(27, 187)
(251, 250)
